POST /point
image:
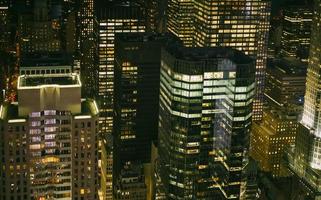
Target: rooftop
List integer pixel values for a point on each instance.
(288, 66)
(40, 80)
(148, 37)
(53, 59)
(10, 111)
(207, 53)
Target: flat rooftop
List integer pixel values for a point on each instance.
(39, 80)
(53, 59)
(195, 54)
(9, 111)
(288, 66)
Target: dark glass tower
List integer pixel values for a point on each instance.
(113, 17)
(137, 82)
(295, 40)
(205, 115)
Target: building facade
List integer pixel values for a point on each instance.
(38, 31)
(242, 25)
(49, 141)
(296, 33)
(271, 137)
(305, 159)
(137, 83)
(113, 17)
(285, 82)
(87, 46)
(107, 163)
(205, 117)
(131, 183)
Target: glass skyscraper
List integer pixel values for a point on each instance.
(113, 17)
(239, 24)
(205, 117)
(305, 159)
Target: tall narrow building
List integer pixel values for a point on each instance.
(205, 117)
(87, 40)
(113, 17)
(305, 159)
(137, 83)
(239, 24)
(49, 141)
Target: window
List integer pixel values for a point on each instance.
(50, 112)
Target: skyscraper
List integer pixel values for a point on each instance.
(180, 20)
(305, 159)
(38, 31)
(295, 40)
(87, 40)
(137, 82)
(113, 17)
(205, 117)
(239, 24)
(49, 140)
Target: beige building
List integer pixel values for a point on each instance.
(271, 137)
(49, 141)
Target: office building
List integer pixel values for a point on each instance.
(38, 31)
(113, 17)
(305, 159)
(4, 25)
(285, 82)
(106, 179)
(205, 118)
(180, 20)
(137, 83)
(239, 24)
(295, 39)
(271, 137)
(131, 183)
(49, 141)
(87, 47)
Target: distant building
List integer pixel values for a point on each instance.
(87, 46)
(113, 17)
(205, 118)
(295, 40)
(49, 141)
(131, 183)
(285, 82)
(271, 137)
(4, 25)
(39, 32)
